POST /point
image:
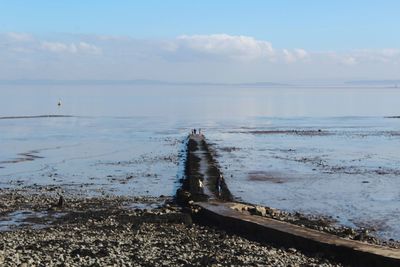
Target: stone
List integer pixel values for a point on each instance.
(261, 211)
(240, 207)
(257, 210)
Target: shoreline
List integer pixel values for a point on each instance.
(40, 208)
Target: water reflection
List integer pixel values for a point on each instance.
(197, 102)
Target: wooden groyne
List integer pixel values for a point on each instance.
(263, 229)
(199, 191)
(201, 174)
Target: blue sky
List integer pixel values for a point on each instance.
(311, 24)
(313, 35)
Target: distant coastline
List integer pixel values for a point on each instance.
(134, 82)
(34, 117)
(147, 82)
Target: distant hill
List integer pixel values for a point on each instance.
(134, 82)
(391, 83)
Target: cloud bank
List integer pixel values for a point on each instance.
(214, 58)
(81, 47)
(234, 47)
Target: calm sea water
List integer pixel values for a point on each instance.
(329, 151)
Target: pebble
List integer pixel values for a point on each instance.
(104, 232)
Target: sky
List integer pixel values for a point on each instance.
(200, 41)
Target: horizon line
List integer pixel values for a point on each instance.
(384, 82)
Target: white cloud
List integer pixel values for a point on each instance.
(191, 57)
(289, 57)
(382, 55)
(295, 55)
(361, 56)
(387, 52)
(58, 47)
(349, 60)
(19, 37)
(301, 53)
(88, 48)
(236, 47)
(73, 48)
(231, 46)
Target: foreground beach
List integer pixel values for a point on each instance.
(123, 231)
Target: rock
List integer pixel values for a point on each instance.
(349, 232)
(240, 207)
(183, 196)
(258, 210)
(82, 252)
(261, 210)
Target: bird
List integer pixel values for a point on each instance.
(59, 103)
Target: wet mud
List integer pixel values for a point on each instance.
(264, 176)
(34, 117)
(318, 132)
(26, 156)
